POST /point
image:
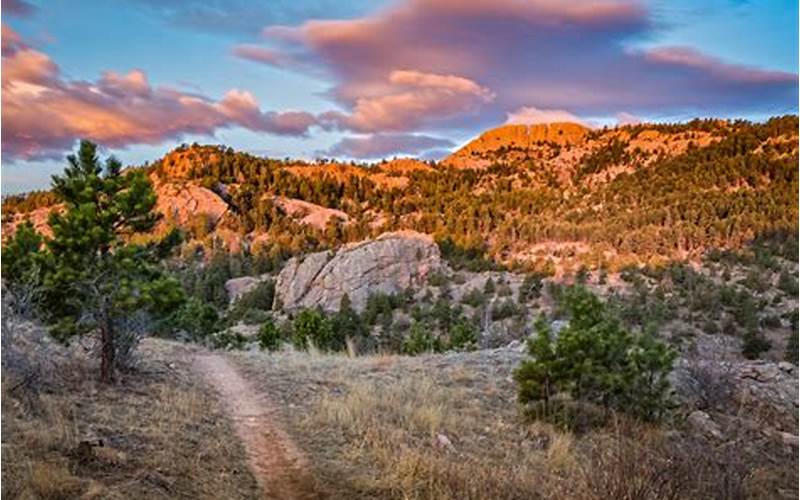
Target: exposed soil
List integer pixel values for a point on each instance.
(279, 467)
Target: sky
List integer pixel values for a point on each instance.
(366, 79)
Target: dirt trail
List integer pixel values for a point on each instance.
(279, 467)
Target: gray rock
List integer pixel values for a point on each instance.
(701, 422)
(237, 287)
(790, 439)
(389, 264)
(786, 366)
(760, 371)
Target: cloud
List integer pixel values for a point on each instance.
(18, 8)
(43, 114)
(529, 115)
(411, 99)
(383, 145)
(545, 54)
(260, 54)
(627, 119)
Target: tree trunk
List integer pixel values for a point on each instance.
(107, 350)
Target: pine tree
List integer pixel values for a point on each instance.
(594, 359)
(94, 277)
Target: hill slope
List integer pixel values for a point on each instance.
(555, 196)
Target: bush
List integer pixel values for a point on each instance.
(463, 336)
(313, 326)
(787, 282)
(227, 340)
(380, 304)
(421, 340)
(531, 288)
(504, 309)
(347, 323)
(260, 297)
(195, 317)
(754, 344)
(474, 298)
(595, 360)
(438, 278)
(269, 337)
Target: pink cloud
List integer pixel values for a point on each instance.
(260, 54)
(530, 115)
(543, 53)
(43, 114)
(690, 58)
(411, 99)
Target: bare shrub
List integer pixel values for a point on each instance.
(712, 387)
(642, 464)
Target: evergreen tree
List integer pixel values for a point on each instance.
(94, 279)
(594, 359)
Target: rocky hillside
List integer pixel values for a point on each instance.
(547, 197)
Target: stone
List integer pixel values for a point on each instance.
(702, 422)
(237, 287)
(789, 439)
(786, 366)
(391, 263)
(760, 372)
(443, 442)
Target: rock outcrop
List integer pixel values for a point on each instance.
(389, 264)
(309, 214)
(179, 202)
(236, 287)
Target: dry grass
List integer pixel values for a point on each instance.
(374, 427)
(163, 434)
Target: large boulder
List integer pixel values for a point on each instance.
(389, 264)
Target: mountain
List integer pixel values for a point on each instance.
(551, 197)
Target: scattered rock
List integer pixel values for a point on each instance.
(443, 443)
(760, 372)
(786, 366)
(701, 421)
(789, 439)
(389, 264)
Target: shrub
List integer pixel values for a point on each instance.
(269, 337)
(347, 323)
(195, 317)
(260, 297)
(504, 309)
(474, 298)
(754, 344)
(312, 325)
(463, 336)
(787, 282)
(421, 340)
(380, 304)
(438, 278)
(227, 340)
(595, 360)
(531, 288)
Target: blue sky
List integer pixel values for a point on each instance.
(364, 78)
